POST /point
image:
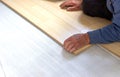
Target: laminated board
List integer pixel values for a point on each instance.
(59, 24)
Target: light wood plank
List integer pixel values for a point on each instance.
(47, 22)
(27, 52)
(57, 23)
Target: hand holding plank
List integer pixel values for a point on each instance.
(76, 42)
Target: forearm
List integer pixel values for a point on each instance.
(108, 34)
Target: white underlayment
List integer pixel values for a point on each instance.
(27, 52)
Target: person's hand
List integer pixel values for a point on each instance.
(76, 41)
(71, 5)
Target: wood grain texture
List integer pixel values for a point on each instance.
(58, 24)
(27, 52)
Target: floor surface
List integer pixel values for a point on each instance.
(27, 52)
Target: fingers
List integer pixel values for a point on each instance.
(67, 43)
(70, 45)
(71, 8)
(66, 4)
(71, 5)
(76, 41)
(63, 5)
(72, 49)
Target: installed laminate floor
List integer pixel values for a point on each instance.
(27, 52)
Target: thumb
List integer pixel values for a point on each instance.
(66, 5)
(74, 8)
(71, 9)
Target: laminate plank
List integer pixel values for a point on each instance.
(57, 23)
(25, 51)
(78, 20)
(48, 23)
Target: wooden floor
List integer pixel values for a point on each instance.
(25, 51)
(56, 23)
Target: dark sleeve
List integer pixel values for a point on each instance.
(96, 8)
(110, 33)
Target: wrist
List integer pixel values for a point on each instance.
(87, 38)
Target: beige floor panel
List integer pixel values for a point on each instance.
(27, 52)
(57, 23)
